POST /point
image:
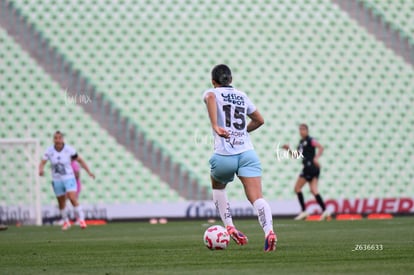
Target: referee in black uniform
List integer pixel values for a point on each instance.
(311, 169)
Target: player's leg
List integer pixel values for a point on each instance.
(63, 213)
(223, 206)
(59, 190)
(78, 190)
(78, 208)
(222, 172)
(71, 194)
(300, 182)
(250, 174)
(221, 202)
(315, 192)
(253, 189)
(78, 187)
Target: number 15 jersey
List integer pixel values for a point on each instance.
(233, 106)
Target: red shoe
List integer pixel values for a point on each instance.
(237, 235)
(82, 224)
(66, 226)
(270, 242)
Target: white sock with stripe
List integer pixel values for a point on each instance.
(264, 214)
(64, 215)
(223, 206)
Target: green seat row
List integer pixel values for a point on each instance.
(299, 61)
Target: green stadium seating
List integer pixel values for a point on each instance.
(33, 105)
(299, 61)
(398, 13)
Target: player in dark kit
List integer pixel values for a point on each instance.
(311, 169)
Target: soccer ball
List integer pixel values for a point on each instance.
(216, 237)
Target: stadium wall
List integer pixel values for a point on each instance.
(206, 209)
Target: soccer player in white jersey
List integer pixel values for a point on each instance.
(60, 156)
(228, 110)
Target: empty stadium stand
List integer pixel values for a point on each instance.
(299, 61)
(398, 13)
(32, 105)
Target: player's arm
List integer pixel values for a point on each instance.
(42, 167)
(287, 148)
(291, 153)
(256, 121)
(210, 100)
(318, 153)
(85, 166)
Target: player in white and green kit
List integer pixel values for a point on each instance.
(228, 110)
(64, 185)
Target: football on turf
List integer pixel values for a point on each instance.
(216, 237)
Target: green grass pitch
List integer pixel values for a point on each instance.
(177, 248)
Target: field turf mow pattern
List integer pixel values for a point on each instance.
(177, 248)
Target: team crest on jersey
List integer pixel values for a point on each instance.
(233, 99)
(59, 169)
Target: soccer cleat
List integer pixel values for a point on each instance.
(270, 242)
(82, 224)
(303, 215)
(325, 215)
(237, 235)
(66, 226)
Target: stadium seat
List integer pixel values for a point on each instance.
(399, 14)
(293, 58)
(40, 113)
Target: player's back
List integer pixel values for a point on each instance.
(233, 106)
(308, 150)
